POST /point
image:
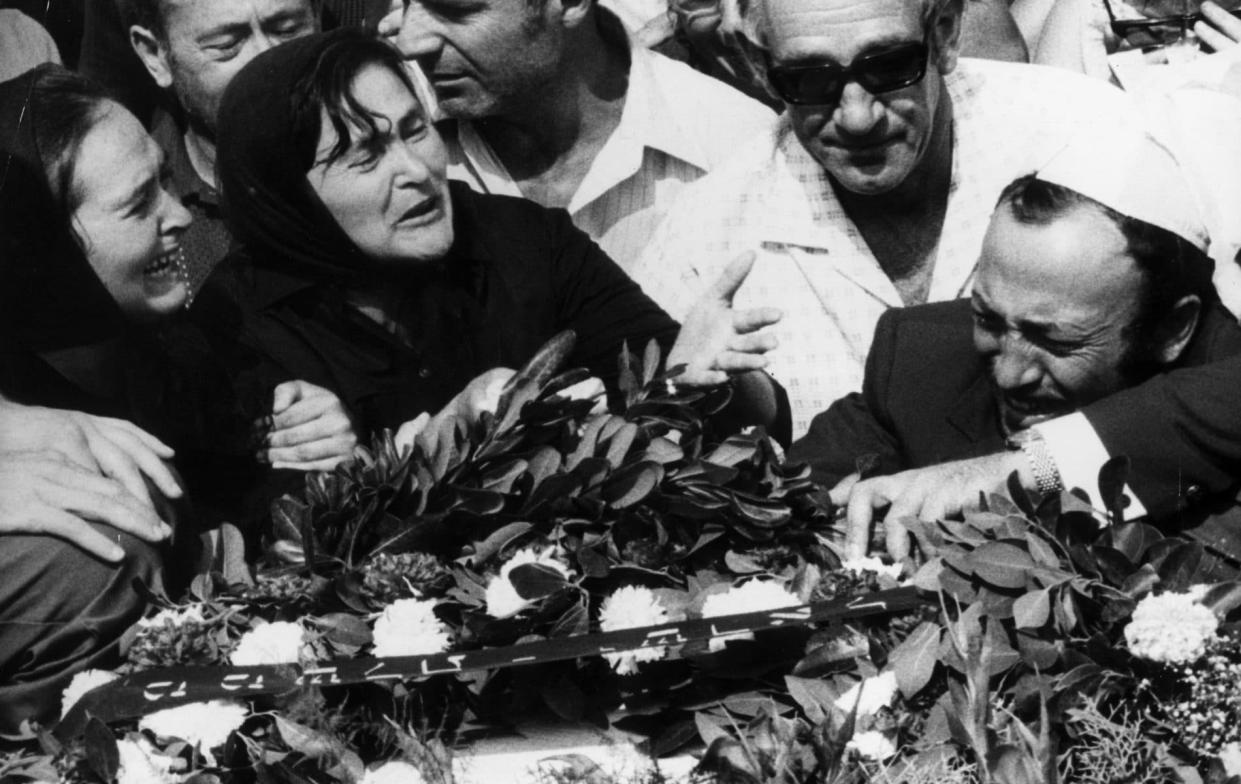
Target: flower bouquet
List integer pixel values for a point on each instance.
(638, 570)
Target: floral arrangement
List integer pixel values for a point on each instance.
(1045, 648)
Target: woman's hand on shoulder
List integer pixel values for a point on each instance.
(48, 494)
(113, 448)
(310, 429)
(716, 340)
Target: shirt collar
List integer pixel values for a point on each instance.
(651, 114)
(654, 98)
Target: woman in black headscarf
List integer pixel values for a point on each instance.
(63, 606)
(89, 285)
(364, 270)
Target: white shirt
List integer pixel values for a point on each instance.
(811, 260)
(677, 124)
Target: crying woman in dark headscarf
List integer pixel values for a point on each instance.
(94, 299)
(363, 269)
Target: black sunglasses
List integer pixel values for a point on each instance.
(1154, 30)
(879, 71)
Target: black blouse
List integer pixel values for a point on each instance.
(517, 274)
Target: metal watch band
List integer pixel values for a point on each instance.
(1046, 475)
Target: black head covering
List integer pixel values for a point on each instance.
(50, 298)
(266, 143)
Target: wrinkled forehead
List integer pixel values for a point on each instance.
(188, 18)
(837, 30)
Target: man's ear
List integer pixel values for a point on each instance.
(573, 12)
(1178, 327)
(153, 53)
(946, 36)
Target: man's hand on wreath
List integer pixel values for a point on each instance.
(932, 493)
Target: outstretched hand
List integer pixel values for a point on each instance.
(717, 341)
(928, 494)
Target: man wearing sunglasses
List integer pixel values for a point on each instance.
(875, 188)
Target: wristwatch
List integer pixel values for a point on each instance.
(1032, 445)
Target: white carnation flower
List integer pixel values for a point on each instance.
(877, 692)
(176, 616)
(83, 682)
(271, 643)
(754, 596)
(503, 601)
(202, 724)
(627, 608)
(141, 763)
(1230, 757)
(394, 772)
(869, 563)
(408, 627)
(872, 745)
(1170, 627)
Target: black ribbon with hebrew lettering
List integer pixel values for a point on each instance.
(151, 690)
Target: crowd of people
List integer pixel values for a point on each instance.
(244, 236)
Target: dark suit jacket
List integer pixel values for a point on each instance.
(926, 398)
(1182, 431)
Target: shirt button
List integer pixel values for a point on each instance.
(424, 372)
(1193, 493)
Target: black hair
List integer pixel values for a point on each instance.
(63, 107)
(1172, 267)
(143, 13)
(327, 87)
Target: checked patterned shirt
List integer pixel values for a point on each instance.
(812, 261)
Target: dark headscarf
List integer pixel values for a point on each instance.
(268, 135)
(50, 298)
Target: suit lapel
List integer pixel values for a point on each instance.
(974, 413)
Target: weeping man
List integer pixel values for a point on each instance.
(1092, 278)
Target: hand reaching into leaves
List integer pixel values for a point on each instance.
(481, 394)
(310, 429)
(929, 494)
(717, 341)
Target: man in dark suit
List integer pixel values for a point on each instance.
(1073, 302)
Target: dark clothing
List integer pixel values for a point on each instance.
(62, 611)
(927, 399)
(1182, 432)
(517, 275)
(207, 239)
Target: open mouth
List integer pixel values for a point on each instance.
(420, 211)
(166, 264)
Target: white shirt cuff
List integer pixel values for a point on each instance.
(1079, 454)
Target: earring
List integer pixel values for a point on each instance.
(183, 273)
